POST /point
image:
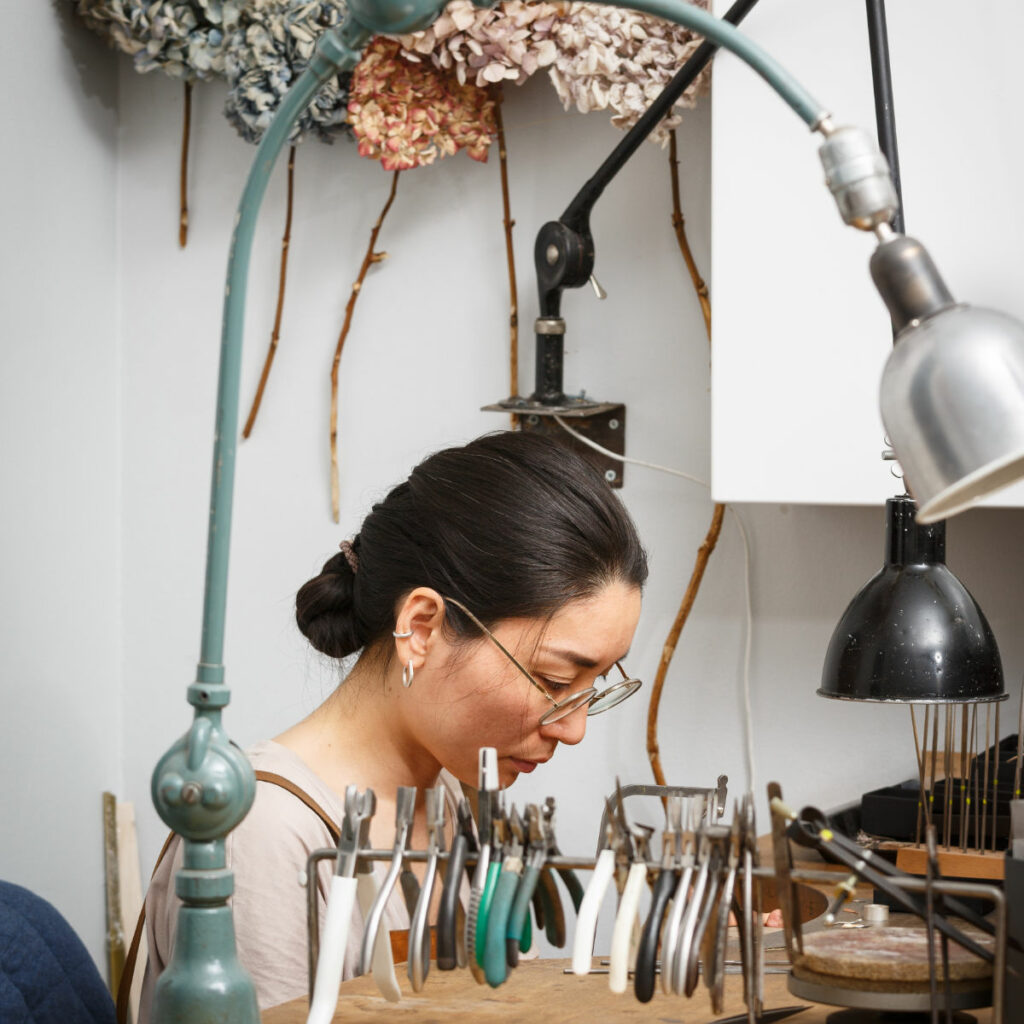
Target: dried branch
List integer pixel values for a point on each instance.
(186, 132)
(703, 554)
(369, 259)
(679, 223)
(513, 317)
(717, 515)
(275, 334)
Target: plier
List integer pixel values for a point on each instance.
(419, 929)
(488, 810)
(625, 930)
(499, 908)
(664, 890)
(689, 973)
(715, 944)
(688, 922)
(519, 916)
(749, 919)
(586, 920)
(355, 832)
(451, 949)
(405, 809)
(680, 901)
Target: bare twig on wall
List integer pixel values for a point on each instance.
(186, 132)
(371, 257)
(679, 223)
(513, 318)
(275, 334)
(717, 514)
(669, 649)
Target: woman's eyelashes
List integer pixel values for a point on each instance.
(553, 685)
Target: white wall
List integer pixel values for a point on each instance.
(60, 726)
(427, 348)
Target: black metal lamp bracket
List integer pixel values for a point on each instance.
(563, 257)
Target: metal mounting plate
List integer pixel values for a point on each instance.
(604, 423)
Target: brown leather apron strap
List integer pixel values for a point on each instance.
(280, 780)
(125, 987)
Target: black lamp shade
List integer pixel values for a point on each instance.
(913, 634)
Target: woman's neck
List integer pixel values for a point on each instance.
(357, 736)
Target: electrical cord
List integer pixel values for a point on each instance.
(748, 712)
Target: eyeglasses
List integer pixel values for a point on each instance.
(589, 698)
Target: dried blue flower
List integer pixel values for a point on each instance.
(272, 45)
(183, 38)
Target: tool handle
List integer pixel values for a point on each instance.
(647, 953)
(383, 961)
(516, 937)
(625, 921)
(476, 895)
(484, 910)
(691, 974)
(586, 922)
(673, 929)
(333, 937)
(419, 930)
(681, 955)
(574, 885)
(373, 919)
(495, 967)
(554, 917)
(447, 958)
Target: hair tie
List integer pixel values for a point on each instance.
(350, 556)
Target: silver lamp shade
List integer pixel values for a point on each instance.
(952, 395)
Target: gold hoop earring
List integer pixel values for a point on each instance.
(407, 674)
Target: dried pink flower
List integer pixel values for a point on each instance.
(508, 42)
(410, 114)
(614, 59)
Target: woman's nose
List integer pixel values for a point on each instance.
(570, 729)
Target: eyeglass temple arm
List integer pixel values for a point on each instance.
(501, 647)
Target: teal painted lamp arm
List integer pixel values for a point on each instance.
(204, 786)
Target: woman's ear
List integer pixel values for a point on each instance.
(419, 620)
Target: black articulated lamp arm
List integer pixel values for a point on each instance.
(564, 251)
(885, 117)
(563, 254)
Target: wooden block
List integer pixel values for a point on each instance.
(952, 863)
(131, 893)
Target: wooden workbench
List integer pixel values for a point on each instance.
(539, 993)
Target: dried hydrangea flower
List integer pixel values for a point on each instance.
(271, 47)
(619, 60)
(183, 38)
(486, 46)
(409, 114)
(110, 19)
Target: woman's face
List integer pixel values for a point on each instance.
(475, 697)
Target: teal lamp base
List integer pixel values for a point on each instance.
(201, 989)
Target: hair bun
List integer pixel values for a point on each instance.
(325, 609)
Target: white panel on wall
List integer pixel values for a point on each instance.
(800, 334)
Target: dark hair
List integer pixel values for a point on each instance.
(512, 524)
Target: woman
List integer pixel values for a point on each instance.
(511, 545)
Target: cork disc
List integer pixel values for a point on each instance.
(889, 954)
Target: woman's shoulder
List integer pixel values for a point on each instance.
(280, 774)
